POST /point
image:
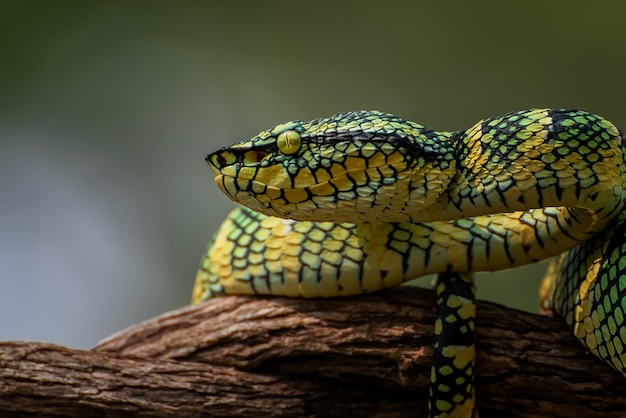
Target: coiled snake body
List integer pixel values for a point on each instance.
(364, 200)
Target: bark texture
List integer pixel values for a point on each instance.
(366, 356)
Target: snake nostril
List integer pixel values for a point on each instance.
(220, 161)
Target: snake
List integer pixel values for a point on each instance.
(365, 200)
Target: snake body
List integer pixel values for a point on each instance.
(365, 200)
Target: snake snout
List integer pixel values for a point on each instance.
(215, 162)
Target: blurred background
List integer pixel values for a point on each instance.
(108, 108)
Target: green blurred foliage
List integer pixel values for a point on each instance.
(107, 108)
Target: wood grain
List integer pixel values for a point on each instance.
(366, 356)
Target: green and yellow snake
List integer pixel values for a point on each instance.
(363, 201)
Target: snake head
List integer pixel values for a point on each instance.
(357, 167)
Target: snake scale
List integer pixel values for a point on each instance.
(365, 200)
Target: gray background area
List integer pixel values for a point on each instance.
(107, 110)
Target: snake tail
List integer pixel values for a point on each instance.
(452, 393)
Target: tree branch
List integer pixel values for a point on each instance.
(366, 356)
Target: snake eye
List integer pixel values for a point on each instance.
(289, 142)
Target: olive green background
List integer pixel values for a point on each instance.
(107, 110)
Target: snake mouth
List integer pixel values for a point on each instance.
(269, 196)
(337, 200)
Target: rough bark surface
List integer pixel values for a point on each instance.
(366, 356)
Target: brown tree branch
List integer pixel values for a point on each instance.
(366, 356)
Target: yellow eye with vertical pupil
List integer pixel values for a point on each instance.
(288, 142)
